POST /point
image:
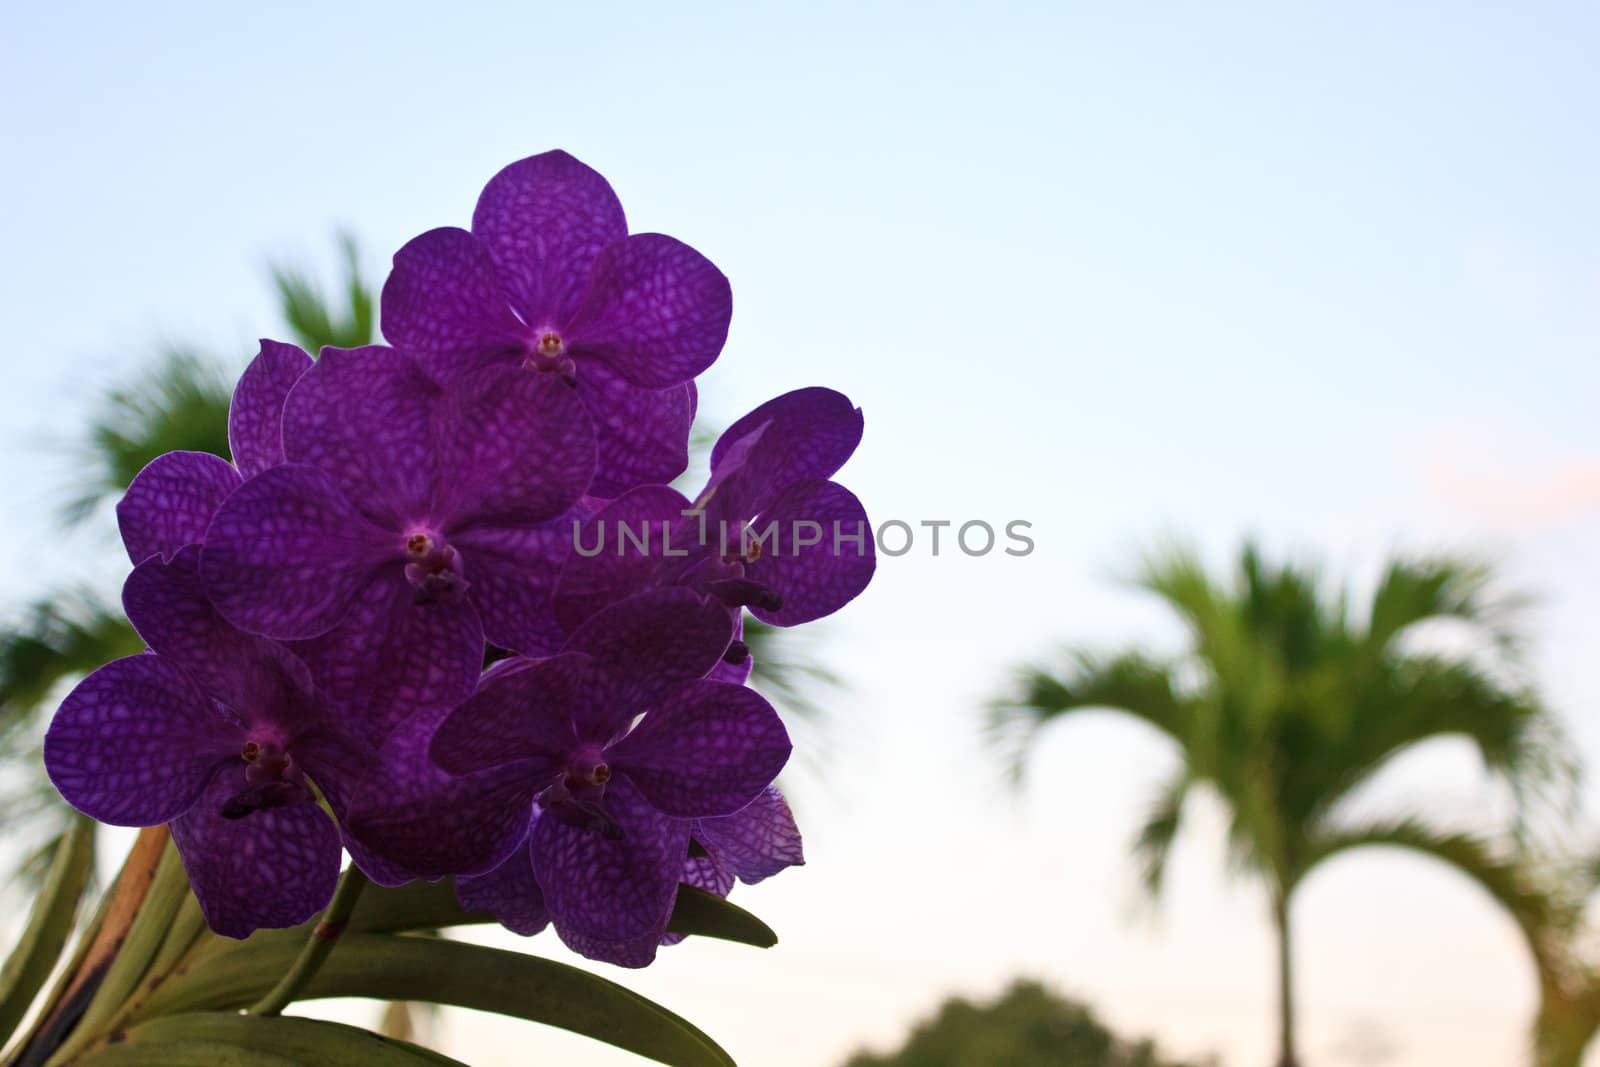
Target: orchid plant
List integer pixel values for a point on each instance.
(443, 615)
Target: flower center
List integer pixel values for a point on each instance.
(548, 353)
(747, 548)
(433, 567)
(272, 779)
(579, 780)
(268, 761)
(578, 799)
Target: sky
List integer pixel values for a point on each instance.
(1327, 275)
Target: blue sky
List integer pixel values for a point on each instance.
(1325, 274)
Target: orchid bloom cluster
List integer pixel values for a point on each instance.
(319, 612)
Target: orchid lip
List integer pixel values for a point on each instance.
(272, 779)
(433, 567)
(548, 353)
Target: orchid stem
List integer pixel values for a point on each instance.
(323, 937)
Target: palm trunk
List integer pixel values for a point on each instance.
(1280, 920)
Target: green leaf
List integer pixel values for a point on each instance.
(432, 906)
(415, 906)
(49, 925)
(708, 915)
(158, 910)
(216, 1040)
(448, 972)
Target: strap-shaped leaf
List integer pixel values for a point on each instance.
(708, 915)
(416, 906)
(49, 925)
(432, 906)
(149, 927)
(216, 1040)
(449, 972)
(186, 1054)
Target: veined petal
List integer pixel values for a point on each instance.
(168, 605)
(287, 553)
(641, 435)
(365, 416)
(273, 868)
(809, 434)
(708, 750)
(544, 220)
(443, 303)
(618, 551)
(702, 872)
(391, 658)
(611, 898)
(135, 742)
(522, 712)
(255, 417)
(510, 893)
(414, 815)
(814, 579)
(757, 841)
(656, 311)
(513, 572)
(650, 645)
(170, 502)
(512, 446)
(638, 951)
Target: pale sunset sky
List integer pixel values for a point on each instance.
(1324, 274)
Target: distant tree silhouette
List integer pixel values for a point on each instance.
(1027, 1026)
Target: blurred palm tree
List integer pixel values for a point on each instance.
(1561, 946)
(1548, 896)
(1289, 699)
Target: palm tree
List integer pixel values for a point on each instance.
(1550, 901)
(1289, 699)
(1547, 897)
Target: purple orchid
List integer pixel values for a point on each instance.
(222, 734)
(610, 749)
(408, 520)
(550, 279)
(769, 532)
(753, 843)
(437, 824)
(317, 611)
(509, 892)
(170, 502)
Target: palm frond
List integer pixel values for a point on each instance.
(1129, 682)
(1152, 846)
(1422, 697)
(58, 639)
(316, 320)
(1546, 916)
(179, 404)
(1415, 591)
(783, 675)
